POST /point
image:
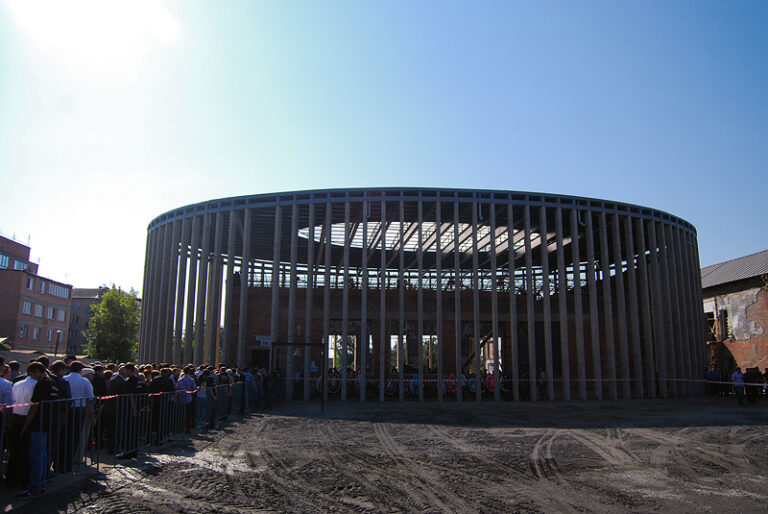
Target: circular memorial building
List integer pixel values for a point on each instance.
(402, 293)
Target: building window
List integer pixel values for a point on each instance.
(61, 314)
(27, 308)
(4, 261)
(39, 311)
(59, 336)
(51, 313)
(50, 334)
(725, 325)
(20, 265)
(30, 284)
(76, 306)
(36, 333)
(42, 287)
(23, 333)
(57, 290)
(710, 327)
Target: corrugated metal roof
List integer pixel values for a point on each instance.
(736, 269)
(82, 292)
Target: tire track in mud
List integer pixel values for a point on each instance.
(447, 501)
(612, 450)
(677, 445)
(389, 480)
(543, 464)
(539, 493)
(296, 490)
(550, 491)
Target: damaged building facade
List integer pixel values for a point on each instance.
(735, 296)
(583, 298)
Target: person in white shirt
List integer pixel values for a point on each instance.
(17, 473)
(22, 393)
(81, 413)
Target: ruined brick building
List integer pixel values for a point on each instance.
(735, 296)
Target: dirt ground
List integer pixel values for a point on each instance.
(639, 456)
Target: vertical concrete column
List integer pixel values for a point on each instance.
(275, 307)
(690, 275)
(192, 282)
(621, 306)
(645, 303)
(245, 267)
(160, 309)
(363, 346)
(145, 326)
(152, 309)
(179, 320)
(401, 314)
(562, 305)
(668, 290)
(634, 310)
(666, 296)
(494, 306)
(678, 308)
(147, 319)
(594, 322)
(545, 300)
(169, 347)
(439, 296)
(215, 303)
(610, 344)
(229, 284)
(384, 344)
(685, 309)
(512, 303)
(202, 281)
(476, 302)
(658, 312)
(699, 350)
(308, 298)
(457, 297)
(210, 296)
(144, 322)
(420, 297)
(529, 296)
(327, 290)
(578, 308)
(292, 301)
(345, 303)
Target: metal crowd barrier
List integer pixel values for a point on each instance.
(61, 439)
(3, 414)
(73, 435)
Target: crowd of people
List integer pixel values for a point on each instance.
(751, 384)
(60, 408)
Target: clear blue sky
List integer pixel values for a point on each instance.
(111, 114)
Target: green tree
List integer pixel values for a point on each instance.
(112, 331)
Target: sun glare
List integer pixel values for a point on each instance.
(98, 39)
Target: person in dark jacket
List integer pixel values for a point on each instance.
(61, 437)
(162, 403)
(38, 425)
(99, 382)
(115, 407)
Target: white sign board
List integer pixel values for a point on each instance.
(264, 341)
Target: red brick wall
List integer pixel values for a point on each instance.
(754, 351)
(13, 293)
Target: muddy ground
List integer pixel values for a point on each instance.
(639, 456)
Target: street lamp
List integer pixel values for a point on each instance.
(56, 348)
